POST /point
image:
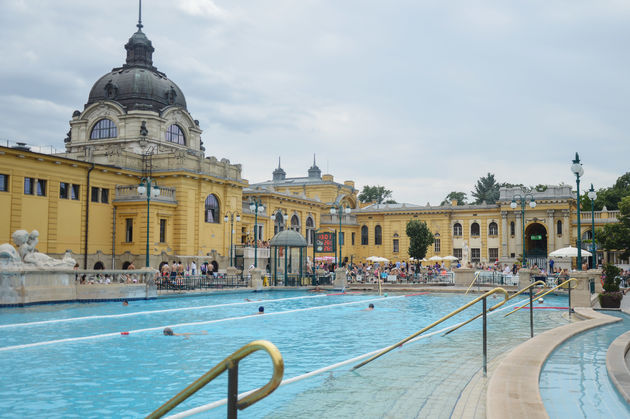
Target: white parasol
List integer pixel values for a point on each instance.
(568, 252)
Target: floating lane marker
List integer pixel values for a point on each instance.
(419, 293)
(150, 329)
(141, 313)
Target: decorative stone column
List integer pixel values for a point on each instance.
(581, 294)
(524, 278)
(566, 228)
(256, 281)
(340, 278)
(551, 238)
(519, 234)
(504, 246)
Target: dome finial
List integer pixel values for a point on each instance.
(139, 25)
(279, 173)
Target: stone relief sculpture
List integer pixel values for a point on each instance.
(27, 255)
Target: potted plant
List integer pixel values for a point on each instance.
(611, 297)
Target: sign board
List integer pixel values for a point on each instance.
(536, 237)
(325, 242)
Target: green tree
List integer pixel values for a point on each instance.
(459, 196)
(608, 197)
(617, 236)
(377, 194)
(486, 189)
(420, 238)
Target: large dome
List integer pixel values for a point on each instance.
(137, 88)
(138, 85)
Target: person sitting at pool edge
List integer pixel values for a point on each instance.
(370, 307)
(261, 310)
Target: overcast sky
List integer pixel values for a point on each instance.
(423, 97)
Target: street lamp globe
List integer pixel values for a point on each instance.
(238, 218)
(142, 189)
(576, 167)
(225, 218)
(513, 204)
(333, 211)
(348, 210)
(592, 195)
(252, 206)
(532, 203)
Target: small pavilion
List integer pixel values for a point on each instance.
(288, 257)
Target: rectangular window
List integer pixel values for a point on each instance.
(162, 230)
(475, 255)
(104, 196)
(457, 253)
(4, 183)
(260, 231)
(396, 246)
(129, 230)
(41, 187)
(63, 190)
(74, 193)
(352, 238)
(493, 254)
(28, 185)
(436, 246)
(94, 194)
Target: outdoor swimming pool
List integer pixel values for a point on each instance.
(574, 381)
(70, 360)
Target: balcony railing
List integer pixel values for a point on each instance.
(346, 219)
(248, 252)
(603, 216)
(130, 193)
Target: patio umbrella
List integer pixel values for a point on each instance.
(451, 258)
(435, 258)
(568, 252)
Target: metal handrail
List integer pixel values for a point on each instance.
(448, 316)
(473, 282)
(231, 364)
(552, 289)
(508, 299)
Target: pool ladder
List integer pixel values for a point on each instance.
(231, 364)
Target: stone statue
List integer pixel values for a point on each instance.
(27, 253)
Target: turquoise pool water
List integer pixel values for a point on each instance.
(71, 360)
(574, 381)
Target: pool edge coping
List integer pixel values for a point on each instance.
(616, 363)
(513, 390)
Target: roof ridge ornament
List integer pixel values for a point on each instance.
(139, 25)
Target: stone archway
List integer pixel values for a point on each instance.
(536, 241)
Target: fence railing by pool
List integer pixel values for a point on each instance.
(200, 282)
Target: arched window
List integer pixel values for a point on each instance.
(278, 223)
(378, 235)
(457, 229)
(295, 223)
(174, 134)
(364, 236)
(559, 228)
(587, 235)
(99, 266)
(105, 128)
(212, 209)
(310, 230)
(493, 229)
(512, 229)
(474, 229)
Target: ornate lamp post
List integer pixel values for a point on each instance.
(256, 206)
(339, 209)
(231, 219)
(578, 170)
(592, 195)
(532, 203)
(151, 191)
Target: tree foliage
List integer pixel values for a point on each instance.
(377, 194)
(607, 197)
(486, 189)
(420, 238)
(459, 196)
(617, 236)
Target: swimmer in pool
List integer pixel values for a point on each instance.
(125, 303)
(370, 308)
(169, 332)
(316, 289)
(261, 310)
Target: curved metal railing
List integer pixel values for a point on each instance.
(551, 290)
(231, 364)
(530, 286)
(448, 316)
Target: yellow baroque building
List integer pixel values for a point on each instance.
(134, 185)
